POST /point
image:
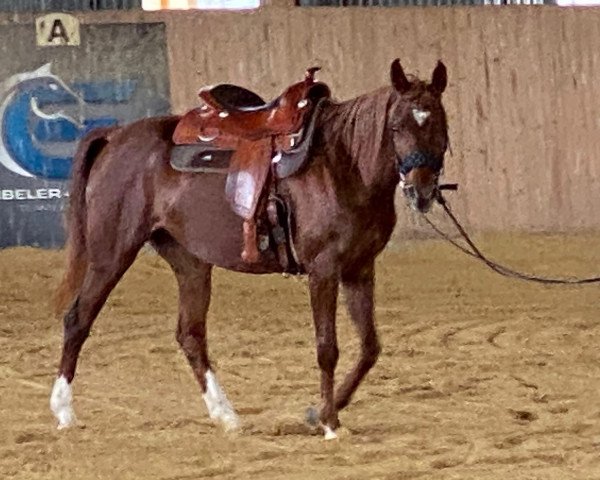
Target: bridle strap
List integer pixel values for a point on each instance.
(418, 159)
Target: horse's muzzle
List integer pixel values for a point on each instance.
(420, 197)
(419, 200)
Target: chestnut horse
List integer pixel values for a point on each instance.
(124, 193)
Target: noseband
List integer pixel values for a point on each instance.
(418, 159)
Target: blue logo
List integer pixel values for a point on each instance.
(42, 118)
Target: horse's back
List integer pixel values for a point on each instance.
(135, 171)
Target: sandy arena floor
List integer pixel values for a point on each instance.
(480, 377)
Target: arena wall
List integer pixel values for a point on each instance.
(51, 95)
(523, 97)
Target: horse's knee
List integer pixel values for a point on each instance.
(189, 333)
(327, 355)
(186, 341)
(192, 343)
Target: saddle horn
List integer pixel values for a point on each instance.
(310, 73)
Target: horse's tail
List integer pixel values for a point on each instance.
(77, 262)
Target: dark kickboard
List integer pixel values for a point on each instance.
(200, 159)
(295, 160)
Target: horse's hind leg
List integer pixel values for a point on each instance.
(194, 280)
(103, 272)
(111, 245)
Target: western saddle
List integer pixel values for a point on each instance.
(257, 142)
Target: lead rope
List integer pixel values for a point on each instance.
(496, 267)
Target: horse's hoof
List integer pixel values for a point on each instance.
(329, 433)
(311, 416)
(65, 417)
(230, 423)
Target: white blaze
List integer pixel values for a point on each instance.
(420, 116)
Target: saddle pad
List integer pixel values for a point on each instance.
(200, 158)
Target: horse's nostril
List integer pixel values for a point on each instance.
(421, 204)
(410, 191)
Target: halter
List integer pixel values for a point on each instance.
(418, 159)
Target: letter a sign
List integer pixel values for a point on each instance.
(57, 29)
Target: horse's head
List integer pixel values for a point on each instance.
(417, 121)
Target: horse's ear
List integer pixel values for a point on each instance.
(439, 78)
(399, 80)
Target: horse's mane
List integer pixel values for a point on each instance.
(343, 116)
(359, 125)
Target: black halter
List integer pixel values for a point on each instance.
(417, 159)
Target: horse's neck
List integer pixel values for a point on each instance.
(358, 145)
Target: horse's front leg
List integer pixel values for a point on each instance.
(195, 284)
(323, 299)
(358, 288)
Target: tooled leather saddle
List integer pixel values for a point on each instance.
(255, 143)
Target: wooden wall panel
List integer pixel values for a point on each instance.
(523, 100)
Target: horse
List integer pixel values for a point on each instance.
(124, 194)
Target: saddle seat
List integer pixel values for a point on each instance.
(257, 135)
(233, 111)
(226, 96)
(235, 99)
